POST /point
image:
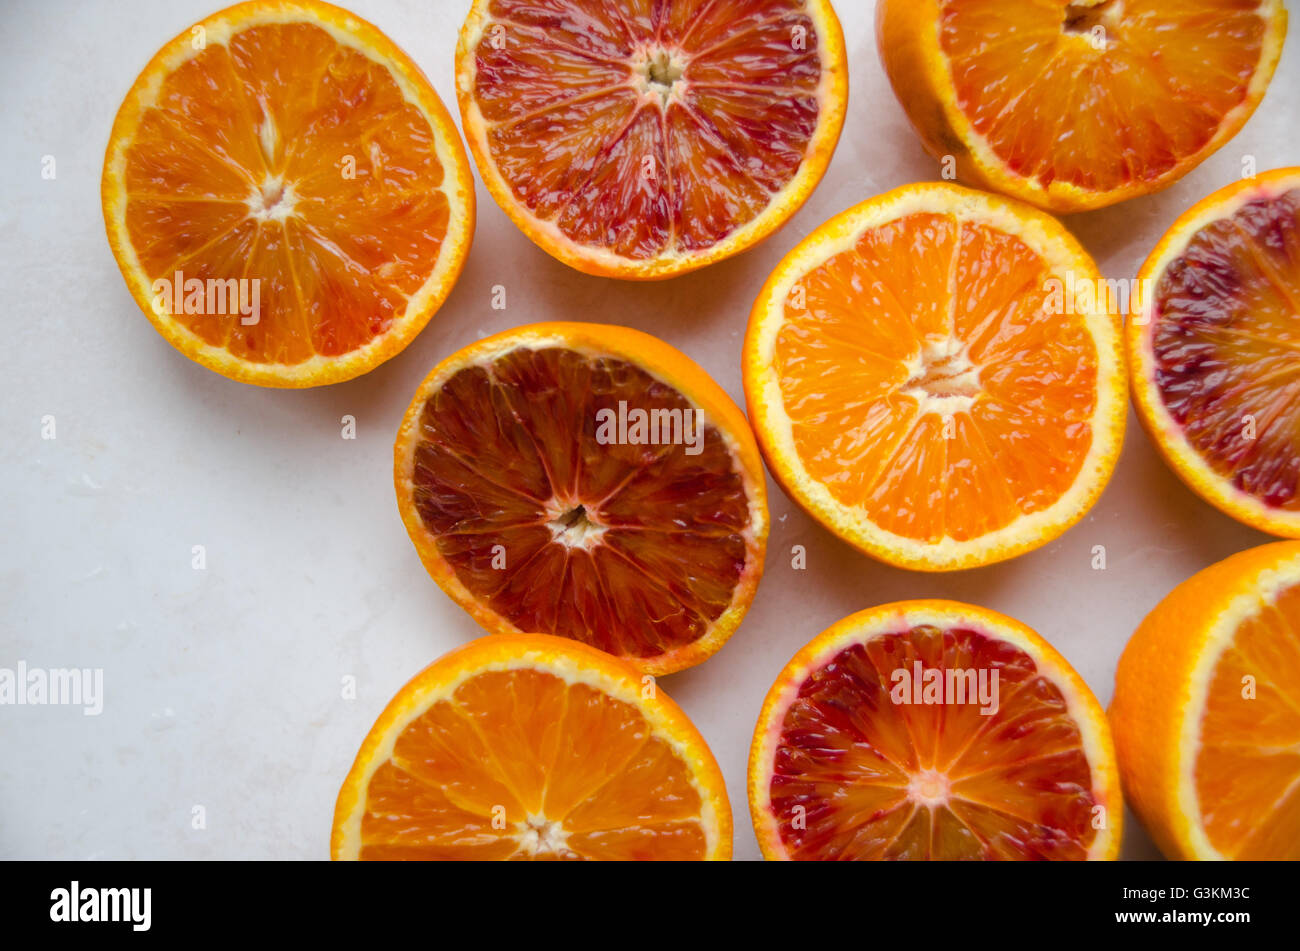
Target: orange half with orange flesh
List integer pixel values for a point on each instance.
(1214, 350)
(589, 481)
(643, 140)
(933, 730)
(1206, 711)
(1078, 105)
(532, 748)
(936, 375)
(287, 198)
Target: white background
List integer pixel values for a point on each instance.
(223, 686)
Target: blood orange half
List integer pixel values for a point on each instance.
(286, 196)
(1214, 350)
(531, 747)
(1078, 104)
(643, 140)
(588, 481)
(1206, 711)
(933, 730)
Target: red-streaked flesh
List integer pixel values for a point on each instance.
(634, 549)
(648, 128)
(1226, 343)
(1100, 95)
(235, 174)
(859, 776)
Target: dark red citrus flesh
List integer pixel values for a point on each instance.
(648, 132)
(1018, 783)
(634, 549)
(1226, 345)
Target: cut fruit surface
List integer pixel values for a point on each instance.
(287, 198)
(1206, 711)
(532, 747)
(1078, 105)
(1214, 350)
(936, 377)
(588, 481)
(643, 140)
(933, 730)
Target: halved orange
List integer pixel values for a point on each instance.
(588, 481)
(1078, 105)
(933, 730)
(1214, 350)
(532, 747)
(643, 140)
(1206, 711)
(936, 376)
(286, 155)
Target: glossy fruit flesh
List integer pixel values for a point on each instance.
(874, 779)
(1248, 767)
(284, 157)
(648, 131)
(927, 384)
(524, 764)
(1099, 95)
(634, 549)
(1226, 343)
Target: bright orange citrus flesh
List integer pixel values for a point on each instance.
(535, 516)
(1214, 351)
(1265, 772)
(298, 148)
(914, 377)
(532, 747)
(1206, 711)
(846, 766)
(1079, 105)
(1038, 455)
(643, 140)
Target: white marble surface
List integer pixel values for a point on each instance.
(222, 687)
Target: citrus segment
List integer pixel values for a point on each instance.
(532, 747)
(588, 481)
(1077, 105)
(1206, 711)
(922, 381)
(932, 730)
(289, 156)
(645, 141)
(1213, 349)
